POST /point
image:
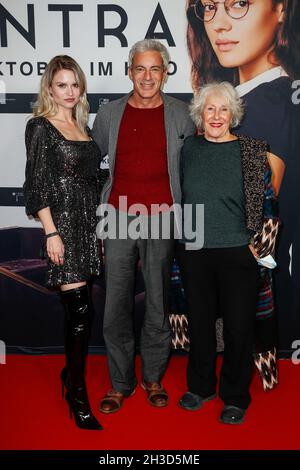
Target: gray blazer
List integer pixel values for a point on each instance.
(178, 125)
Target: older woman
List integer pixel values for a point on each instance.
(231, 176)
(255, 45)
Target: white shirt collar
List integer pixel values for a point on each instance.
(264, 77)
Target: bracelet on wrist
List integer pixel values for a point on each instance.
(52, 234)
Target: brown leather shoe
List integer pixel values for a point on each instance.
(112, 401)
(156, 394)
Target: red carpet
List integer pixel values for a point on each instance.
(33, 415)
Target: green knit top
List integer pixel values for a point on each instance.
(211, 174)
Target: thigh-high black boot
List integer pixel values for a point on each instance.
(77, 327)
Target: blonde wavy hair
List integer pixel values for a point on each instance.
(45, 105)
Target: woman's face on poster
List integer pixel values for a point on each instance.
(247, 41)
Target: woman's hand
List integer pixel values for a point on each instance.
(54, 245)
(55, 249)
(253, 251)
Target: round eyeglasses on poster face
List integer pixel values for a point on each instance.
(205, 10)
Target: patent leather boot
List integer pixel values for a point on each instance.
(77, 326)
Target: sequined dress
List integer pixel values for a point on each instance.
(65, 176)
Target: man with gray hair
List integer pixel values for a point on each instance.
(142, 133)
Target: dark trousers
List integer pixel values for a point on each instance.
(121, 258)
(224, 281)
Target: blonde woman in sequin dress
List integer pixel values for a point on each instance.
(62, 190)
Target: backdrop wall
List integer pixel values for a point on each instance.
(99, 34)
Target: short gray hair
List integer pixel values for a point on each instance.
(150, 45)
(218, 88)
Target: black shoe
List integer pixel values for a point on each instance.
(192, 402)
(232, 415)
(80, 408)
(78, 402)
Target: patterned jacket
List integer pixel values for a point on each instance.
(260, 200)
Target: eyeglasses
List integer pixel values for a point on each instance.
(205, 10)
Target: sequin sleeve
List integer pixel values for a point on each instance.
(37, 184)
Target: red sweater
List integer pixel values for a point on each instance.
(141, 169)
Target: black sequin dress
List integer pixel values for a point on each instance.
(65, 176)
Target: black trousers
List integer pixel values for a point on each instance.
(224, 281)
